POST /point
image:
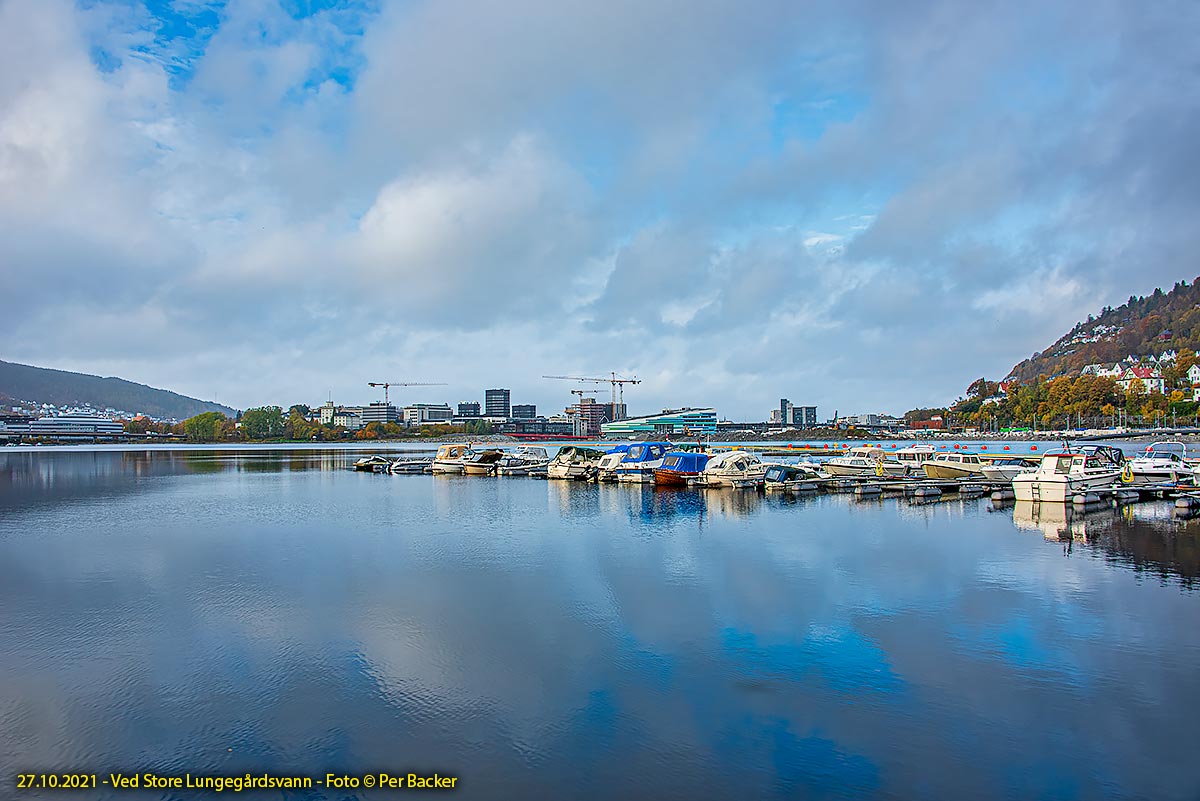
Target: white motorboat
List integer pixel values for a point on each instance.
(1160, 464)
(1006, 468)
(954, 466)
(790, 478)
(641, 461)
(574, 462)
(914, 456)
(410, 465)
(865, 460)
(1066, 473)
(606, 468)
(483, 463)
(526, 459)
(733, 469)
(451, 458)
(375, 463)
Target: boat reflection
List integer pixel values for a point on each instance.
(1145, 537)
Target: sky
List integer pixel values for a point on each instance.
(862, 206)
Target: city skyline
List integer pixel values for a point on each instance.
(860, 206)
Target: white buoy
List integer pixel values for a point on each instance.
(1085, 498)
(1187, 502)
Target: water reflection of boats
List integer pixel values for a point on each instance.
(1058, 521)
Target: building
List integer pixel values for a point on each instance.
(326, 413)
(934, 423)
(468, 408)
(669, 421)
(496, 403)
(524, 411)
(75, 423)
(380, 412)
(588, 416)
(422, 413)
(795, 416)
(348, 418)
(1152, 380)
(538, 427)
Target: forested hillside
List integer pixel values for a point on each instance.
(1142, 326)
(62, 388)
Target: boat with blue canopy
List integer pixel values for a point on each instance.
(678, 466)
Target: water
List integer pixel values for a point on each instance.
(220, 612)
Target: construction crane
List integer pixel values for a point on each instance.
(386, 384)
(618, 386)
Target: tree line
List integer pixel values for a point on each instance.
(272, 423)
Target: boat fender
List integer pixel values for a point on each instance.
(1127, 473)
(879, 468)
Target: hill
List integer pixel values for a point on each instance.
(62, 388)
(1142, 326)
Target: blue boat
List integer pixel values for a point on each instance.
(678, 466)
(641, 461)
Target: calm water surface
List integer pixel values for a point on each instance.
(219, 612)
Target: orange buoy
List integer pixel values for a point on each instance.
(983, 447)
(1005, 447)
(1033, 447)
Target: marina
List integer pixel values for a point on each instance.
(275, 609)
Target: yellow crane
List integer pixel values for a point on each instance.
(386, 384)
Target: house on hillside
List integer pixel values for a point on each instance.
(1151, 378)
(1193, 377)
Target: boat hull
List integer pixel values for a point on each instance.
(944, 470)
(1060, 489)
(479, 469)
(672, 478)
(447, 467)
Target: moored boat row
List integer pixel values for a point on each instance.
(1053, 477)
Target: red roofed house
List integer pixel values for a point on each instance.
(1151, 379)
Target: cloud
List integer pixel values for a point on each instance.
(838, 202)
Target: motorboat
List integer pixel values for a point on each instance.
(790, 477)
(483, 463)
(375, 463)
(1005, 468)
(865, 461)
(735, 468)
(641, 461)
(526, 459)
(574, 462)
(451, 458)
(1160, 464)
(954, 466)
(678, 466)
(410, 465)
(1063, 474)
(606, 468)
(913, 457)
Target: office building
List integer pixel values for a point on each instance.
(380, 412)
(75, 423)
(348, 418)
(468, 408)
(496, 403)
(421, 413)
(524, 411)
(794, 416)
(670, 421)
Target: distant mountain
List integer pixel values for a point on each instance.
(62, 388)
(1142, 326)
